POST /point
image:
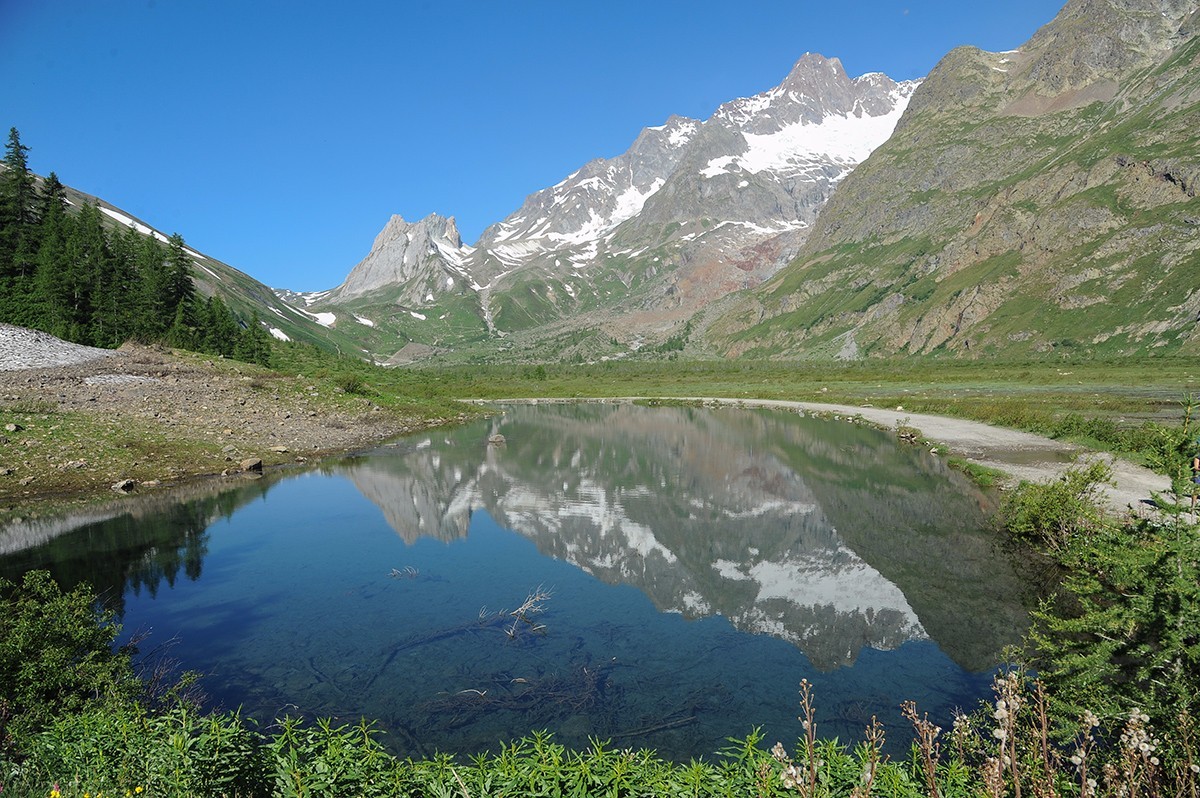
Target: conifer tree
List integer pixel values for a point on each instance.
(221, 329)
(47, 311)
(254, 344)
(158, 311)
(87, 258)
(17, 229)
(178, 286)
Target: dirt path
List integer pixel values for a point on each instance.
(1021, 455)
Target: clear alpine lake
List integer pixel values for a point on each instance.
(682, 569)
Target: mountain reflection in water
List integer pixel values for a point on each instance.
(701, 562)
(760, 517)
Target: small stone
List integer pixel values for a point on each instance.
(254, 464)
(124, 486)
(279, 449)
(5, 472)
(229, 449)
(27, 481)
(13, 428)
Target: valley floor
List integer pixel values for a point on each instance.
(75, 420)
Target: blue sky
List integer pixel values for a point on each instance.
(279, 137)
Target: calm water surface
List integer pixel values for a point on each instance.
(695, 565)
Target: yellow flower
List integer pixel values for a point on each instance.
(137, 789)
(55, 793)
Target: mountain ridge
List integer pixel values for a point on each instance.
(1036, 201)
(635, 244)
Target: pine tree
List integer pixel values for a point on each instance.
(184, 332)
(17, 227)
(178, 286)
(87, 259)
(254, 344)
(220, 328)
(47, 310)
(157, 309)
(116, 294)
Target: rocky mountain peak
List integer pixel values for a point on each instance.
(404, 251)
(1101, 40)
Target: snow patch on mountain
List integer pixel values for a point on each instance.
(130, 222)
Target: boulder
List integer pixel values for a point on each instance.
(253, 465)
(124, 486)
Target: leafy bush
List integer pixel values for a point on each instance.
(1061, 513)
(56, 654)
(350, 382)
(127, 749)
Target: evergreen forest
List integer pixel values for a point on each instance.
(66, 271)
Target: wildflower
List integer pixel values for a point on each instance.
(999, 734)
(779, 753)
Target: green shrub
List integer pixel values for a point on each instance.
(56, 655)
(350, 382)
(1062, 513)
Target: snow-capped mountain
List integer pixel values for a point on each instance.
(781, 548)
(692, 211)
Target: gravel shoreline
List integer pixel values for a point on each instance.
(156, 417)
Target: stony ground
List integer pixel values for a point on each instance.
(76, 419)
